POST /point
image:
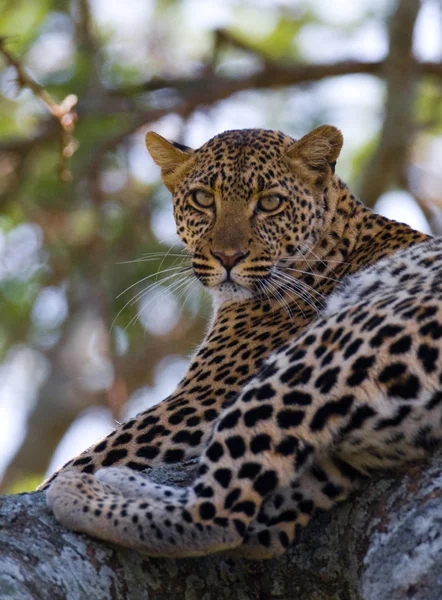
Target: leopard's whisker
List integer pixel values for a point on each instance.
(153, 285)
(305, 250)
(171, 238)
(296, 293)
(312, 260)
(179, 273)
(299, 284)
(150, 258)
(313, 274)
(176, 268)
(172, 288)
(132, 301)
(261, 284)
(289, 263)
(306, 294)
(164, 258)
(290, 286)
(280, 299)
(187, 292)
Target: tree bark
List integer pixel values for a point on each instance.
(384, 543)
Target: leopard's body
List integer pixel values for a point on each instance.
(286, 409)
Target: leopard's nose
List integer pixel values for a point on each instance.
(228, 261)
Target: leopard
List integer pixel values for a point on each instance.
(319, 366)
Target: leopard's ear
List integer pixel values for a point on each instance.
(319, 148)
(170, 156)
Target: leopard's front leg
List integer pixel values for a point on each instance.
(212, 515)
(249, 459)
(242, 467)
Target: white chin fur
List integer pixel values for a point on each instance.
(228, 292)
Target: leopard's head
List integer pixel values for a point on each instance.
(247, 199)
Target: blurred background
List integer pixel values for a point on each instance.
(89, 334)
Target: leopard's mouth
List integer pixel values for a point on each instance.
(228, 284)
(230, 291)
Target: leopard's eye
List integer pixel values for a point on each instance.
(203, 199)
(269, 203)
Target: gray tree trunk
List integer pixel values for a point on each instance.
(384, 543)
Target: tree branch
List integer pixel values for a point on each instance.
(275, 75)
(208, 89)
(382, 544)
(272, 75)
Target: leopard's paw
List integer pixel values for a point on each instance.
(78, 499)
(128, 482)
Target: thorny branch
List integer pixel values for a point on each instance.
(63, 112)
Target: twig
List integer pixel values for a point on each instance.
(62, 112)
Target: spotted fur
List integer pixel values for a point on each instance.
(312, 374)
